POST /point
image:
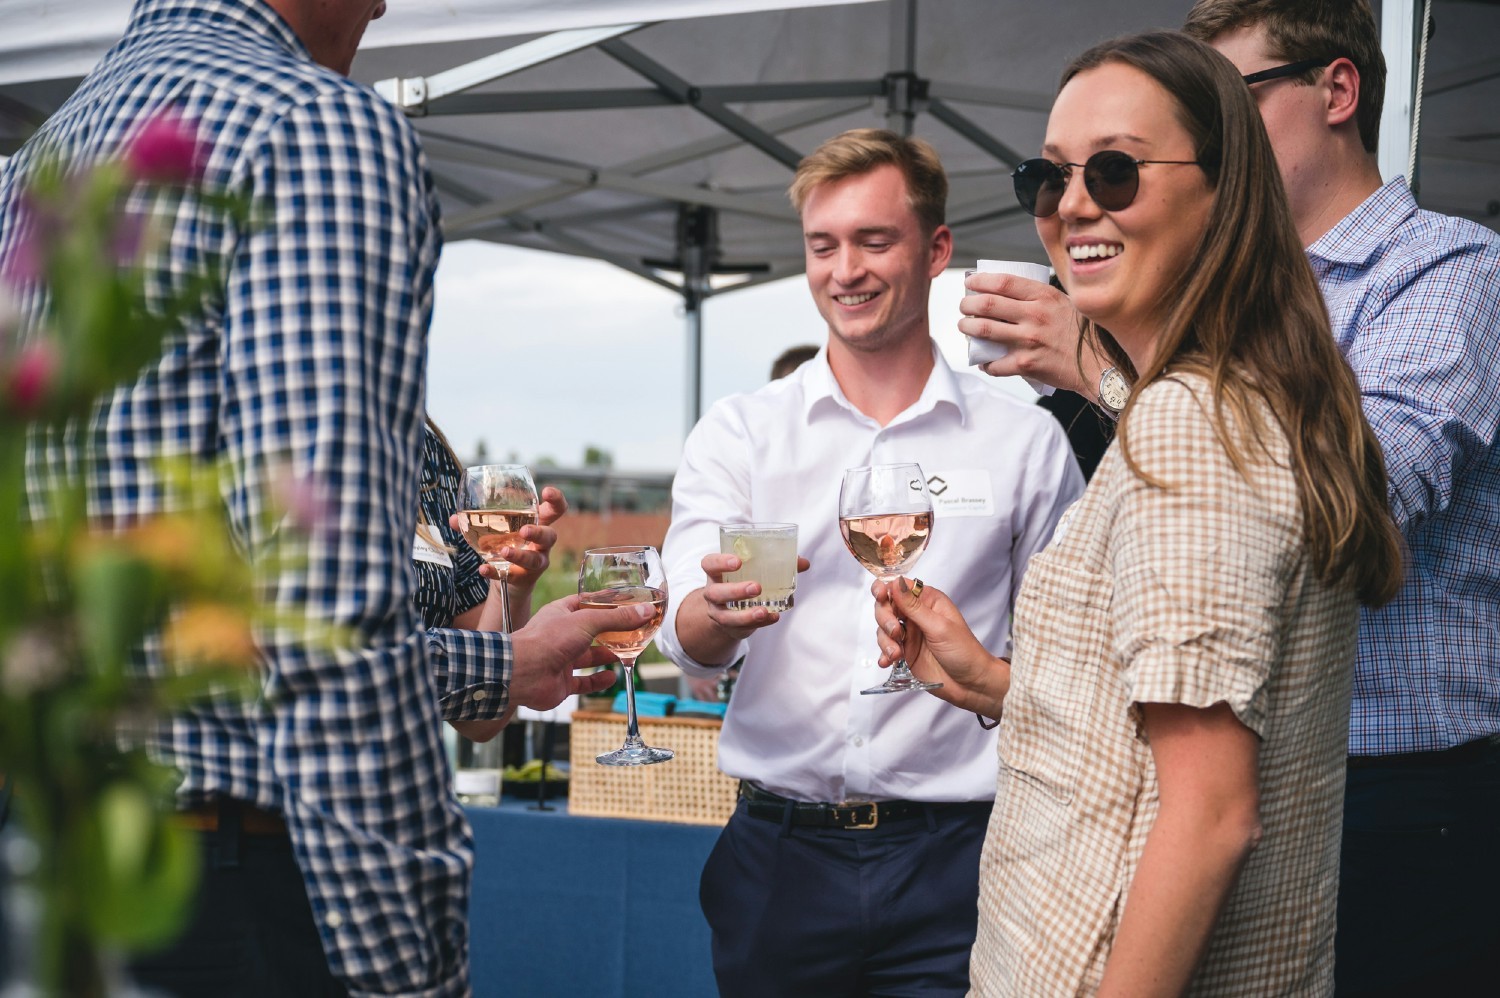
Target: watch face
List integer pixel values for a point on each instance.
(1114, 390)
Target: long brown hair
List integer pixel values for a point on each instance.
(1249, 316)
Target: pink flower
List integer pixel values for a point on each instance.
(39, 227)
(32, 377)
(300, 498)
(165, 151)
(127, 238)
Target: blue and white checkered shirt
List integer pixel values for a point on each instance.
(312, 352)
(1415, 302)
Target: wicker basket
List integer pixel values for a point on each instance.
(689, 788)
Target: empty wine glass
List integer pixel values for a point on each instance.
(885, 515)
(498, 500)
(620, 576)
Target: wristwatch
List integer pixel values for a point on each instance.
(1114, 391)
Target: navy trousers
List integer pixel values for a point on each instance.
(1419, 891)
(828, 912)
(251, 934)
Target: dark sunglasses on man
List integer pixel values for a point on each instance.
(1280, 72)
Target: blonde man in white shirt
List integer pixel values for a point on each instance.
(806, 892)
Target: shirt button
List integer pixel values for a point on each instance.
(478, 695)
(334, 920)
(858, 741)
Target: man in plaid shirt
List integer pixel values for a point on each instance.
(337, 860)
(1415, 301)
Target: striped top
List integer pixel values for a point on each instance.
(444, 592)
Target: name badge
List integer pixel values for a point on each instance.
(962, 492)
(424, 550)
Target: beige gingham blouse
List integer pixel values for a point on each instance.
(1193, 594)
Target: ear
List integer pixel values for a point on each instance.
(1341, 80)
(941, 250)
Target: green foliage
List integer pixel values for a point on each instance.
(114, 871)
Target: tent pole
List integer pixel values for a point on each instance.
(900, 112)
(1399, 30)
(697, 252)
(693, 301)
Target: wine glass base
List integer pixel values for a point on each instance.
(639, 755)
(900, 686)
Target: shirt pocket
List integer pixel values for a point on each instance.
(1061, 637)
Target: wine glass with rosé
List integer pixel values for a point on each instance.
(885, 515)
(620, 576)
(498, 500)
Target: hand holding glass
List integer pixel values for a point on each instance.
(768, 557)
(614, 577)
(885, 515)
(498, 500)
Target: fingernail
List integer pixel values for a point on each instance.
(905, 588)
(645, 610)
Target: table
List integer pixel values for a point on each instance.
(589, 907)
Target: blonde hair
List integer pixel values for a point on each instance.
(860, 150)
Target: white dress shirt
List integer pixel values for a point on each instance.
(1001, 472)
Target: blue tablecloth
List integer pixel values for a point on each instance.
(587, 907)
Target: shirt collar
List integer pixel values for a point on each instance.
(253, 16)
(819, 387)
(1364, 232)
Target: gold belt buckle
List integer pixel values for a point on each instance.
(854, 821)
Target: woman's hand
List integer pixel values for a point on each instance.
(528, 560)
(921, 624)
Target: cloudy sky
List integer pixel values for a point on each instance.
(545, 355)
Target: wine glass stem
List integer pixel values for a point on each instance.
(504, 571)
(900, 671)
(632, 727)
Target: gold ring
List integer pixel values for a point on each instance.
(916, 588)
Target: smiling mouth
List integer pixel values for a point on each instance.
(1094, 251)
(854, 299)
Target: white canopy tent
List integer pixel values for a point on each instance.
(662, 142)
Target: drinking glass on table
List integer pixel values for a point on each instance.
(768, 557)
(498, 500)
(885, 515)
(619, 576)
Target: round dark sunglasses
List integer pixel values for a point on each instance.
(1111, 177)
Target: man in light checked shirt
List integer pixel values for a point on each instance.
(336, 858)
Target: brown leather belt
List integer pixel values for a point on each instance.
(763, 804)
(212, 815)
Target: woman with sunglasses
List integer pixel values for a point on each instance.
(1175, 716)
